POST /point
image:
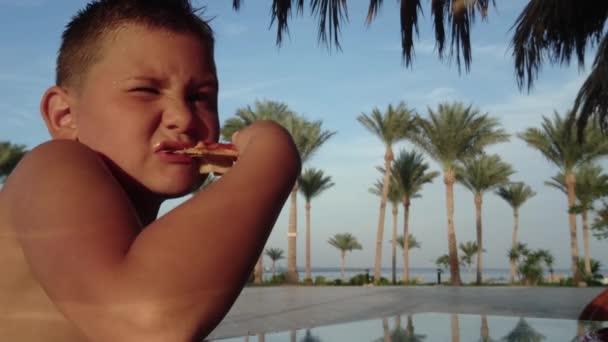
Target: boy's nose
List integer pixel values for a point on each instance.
(178, 116)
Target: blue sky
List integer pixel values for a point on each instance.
(337, 87)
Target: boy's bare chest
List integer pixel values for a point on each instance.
(26, 313)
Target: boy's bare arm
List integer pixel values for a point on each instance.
(182, 272)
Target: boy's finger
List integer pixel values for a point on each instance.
(233, 138)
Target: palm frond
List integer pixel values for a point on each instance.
(313, 182)
(484, 173)
(281, 11)
(456, 132)
(10, 155)
(592, 99)
(555, 31)
(345, 242)
(330, 14)
(372, 12)
(409, 24)
(275, 253)
(515, 194)
(556, 141)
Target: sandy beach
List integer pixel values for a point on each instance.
(271, 309)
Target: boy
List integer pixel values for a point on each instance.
(84, 257)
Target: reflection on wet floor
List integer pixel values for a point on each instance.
(430, 327)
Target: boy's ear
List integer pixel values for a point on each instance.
(57, 114)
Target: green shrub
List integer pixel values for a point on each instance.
(307, 281)
(359, 279)
(338, 282)
(278, 278)
(320, 280)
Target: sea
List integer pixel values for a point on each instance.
(422, 274)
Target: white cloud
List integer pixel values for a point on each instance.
(520, 109)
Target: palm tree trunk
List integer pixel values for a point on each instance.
(470, 274)
(570, 184)
(308, 274)
(394, 244)
(455, 328)
(586, 241)
(478, 203)
(342, 262)
(293, 337)
(410, 326)
(246, 338)
(406, 240)
(580, 330)
(514, 242)
(273, 267)
(259, 270)
(388, 157)
(261, 338)
(292, 273)
(398, 322)
(387, 334)
(449, 179)
(485, 331)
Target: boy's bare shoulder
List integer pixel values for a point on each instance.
(54, 156)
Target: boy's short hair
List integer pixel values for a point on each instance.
(84, 35)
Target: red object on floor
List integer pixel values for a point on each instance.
(597, 310)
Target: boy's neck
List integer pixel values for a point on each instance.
(145, 202)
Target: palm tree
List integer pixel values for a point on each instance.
(455, 327)
(516, 254)
(308, 137)
(485, 331)
(398, 334)
(274, 254)
(394, 197)
(396, 124)
(411, 244)
(309, 337)
(481, 174)
(258, 270)
(469, 249)
(515, 194)
(443, 262)
(591, 185)
(10, 155)
(549, 260)
(600, 224)
(556, 141)
(523, 332)
(312, 183)
(455, 133)
(411, 173)
(345, 243)
(546, 256)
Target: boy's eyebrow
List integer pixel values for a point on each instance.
(207, 82)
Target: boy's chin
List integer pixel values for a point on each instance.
(170, 191)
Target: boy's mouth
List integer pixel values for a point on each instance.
(170, 147)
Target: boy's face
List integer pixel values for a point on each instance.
(151, 90)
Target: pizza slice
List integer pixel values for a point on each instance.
(216, 158)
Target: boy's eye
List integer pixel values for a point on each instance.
(199, 97)
(148, 90)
